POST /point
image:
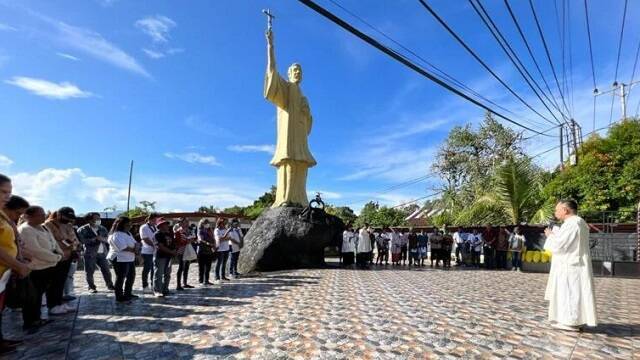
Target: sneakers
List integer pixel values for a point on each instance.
(217, 282)
(69, 307)
(187, 286)
(158, 294)
(58, 310)
(93, 291)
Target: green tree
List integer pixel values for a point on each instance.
(235, 210)
(263, 202)
(345, 213)
(144, 208)
(607, 176)
(208, 209)
(468, 158)
(515, 197)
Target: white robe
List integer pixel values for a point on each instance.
(348, 242)
(364, 241)
(570, 289)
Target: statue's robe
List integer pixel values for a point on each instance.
(292, 156)
(570, 289)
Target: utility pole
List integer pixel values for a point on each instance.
(561, 148)
(129, 191)
(622, 90)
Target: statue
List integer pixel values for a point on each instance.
(292, 157)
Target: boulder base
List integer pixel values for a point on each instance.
(289, 238)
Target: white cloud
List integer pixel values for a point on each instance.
(93, 44)
(61, 91)
(5, 27)
(53, 188)
(194, 158)
(157, 27)
(153, 54)
(269, 149)
(5, 161)
(67, 56)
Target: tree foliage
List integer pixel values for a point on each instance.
(381, 216)
(345, 213)
(144, 208)
(607, 176)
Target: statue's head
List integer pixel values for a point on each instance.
(295, 73)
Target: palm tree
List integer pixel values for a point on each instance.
(515, 197)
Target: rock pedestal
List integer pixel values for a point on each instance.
(289, 238)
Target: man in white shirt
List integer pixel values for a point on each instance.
(147, 237)
(570, 289)
(459, 239)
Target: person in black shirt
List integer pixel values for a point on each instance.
(166, 250)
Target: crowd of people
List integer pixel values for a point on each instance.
(40, 252)
(474, 249)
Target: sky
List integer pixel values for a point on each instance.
(176, 86)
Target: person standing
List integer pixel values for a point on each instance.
(166, 250)
(502, 247)
(435, 243)
(475, 243)
(516, 246)
(489, 249)
(570, 290)
(183, 239)
(382, 243)
(348, 246)
(59, 224)
(94, 238)
(236, 239)
(206, 242)
(412, 240)
(459, 238)
(423, 246)
(8, 259)
(396, 246)
(122, 253)
(364, 247)
(445, 251)
(147, 232)
(221, 235)
(44, 253)
(404, 247)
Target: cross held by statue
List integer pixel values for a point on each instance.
(270, 17)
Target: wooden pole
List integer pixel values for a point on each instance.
(129, 191)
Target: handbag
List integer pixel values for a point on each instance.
(189, 253)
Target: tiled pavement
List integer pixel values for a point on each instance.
(341, 314)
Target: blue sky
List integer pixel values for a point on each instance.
(87, 86)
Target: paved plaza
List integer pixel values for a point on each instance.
(391, 313)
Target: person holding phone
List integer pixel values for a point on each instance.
(236, 239)
(221, 235)
(60, 225)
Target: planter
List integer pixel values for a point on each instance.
(536, 267)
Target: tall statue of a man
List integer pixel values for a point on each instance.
(292, 157)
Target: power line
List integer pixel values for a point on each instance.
(593, 71)
(418, 199)
(475, 56)
(424, 61)
(320, 10)
(615, 78)
(556, 147)
(546, 49)
(572, 88)
(515, 60)
(546, 131)
(535, 62)
(633, 72)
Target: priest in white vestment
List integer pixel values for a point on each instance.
(364, 247)
(570, 289)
